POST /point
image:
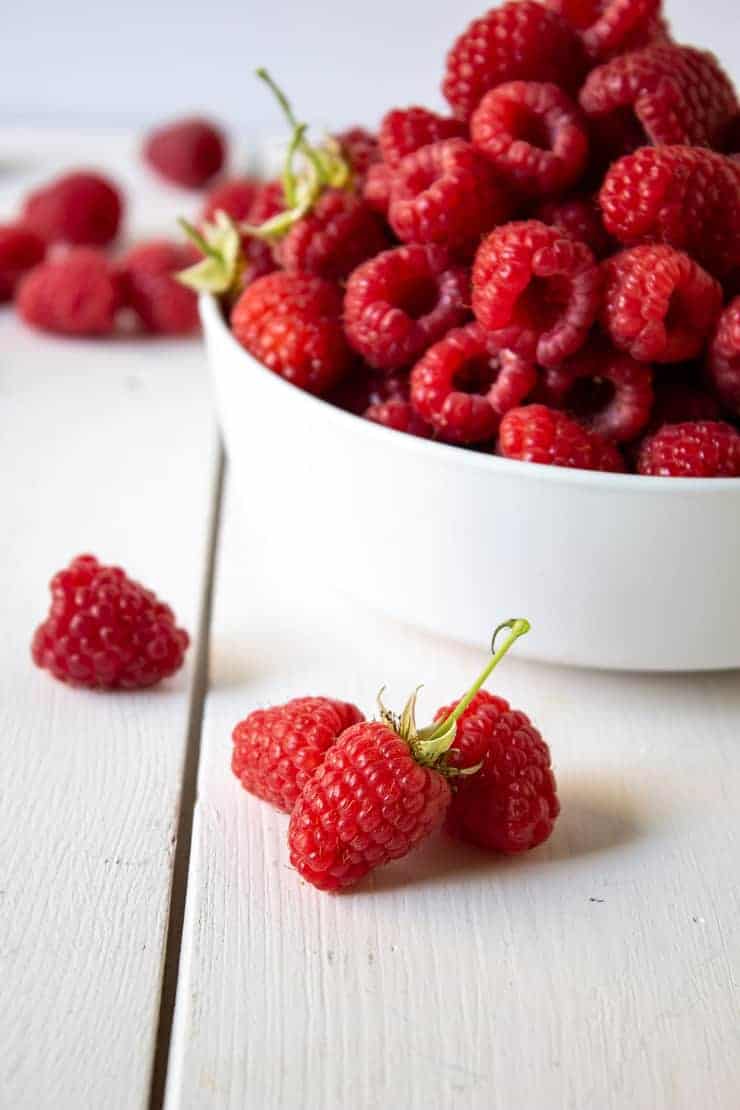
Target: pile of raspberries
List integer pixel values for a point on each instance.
(550, 272)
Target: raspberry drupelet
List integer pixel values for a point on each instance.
(405, 130)
(687, 197)
(340, 232)
(292, 324)
(606, 390)
(698, 449)
(277, 750)
(447, 193)
(189, 152)
(148, 286)
(21, 249)
(75, 294)
(360, 148)
(400, 302)
(463, 385)
(80, 208)
(518, 41)
(724, 358)
(658, 304)
(105, 631)
(400, 416)
(533, 135)
(535, 291)
(538, 434)
(610, 27)
(377, 187)
(579, 217)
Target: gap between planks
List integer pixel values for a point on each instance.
(188, 792)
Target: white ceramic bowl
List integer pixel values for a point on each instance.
(613, 570)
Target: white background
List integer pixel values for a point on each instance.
(342, 61)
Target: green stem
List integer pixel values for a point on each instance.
(280, 97)
(199, 240)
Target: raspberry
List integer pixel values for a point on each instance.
(339, 233)
(535, 291)
(519, 41)
(80, 208)
(235, 197)
(462, 387)
(77, 294)
(533, 135)
(268, 201)
(446, 193)
(149, 287)
(368, 803)
(292, 324)
(106, 631)
(676, 94)
(538, 434)
(277, 750)
(724, 357)
(658, 304)
(188, 152)
(400, 416)
(698, 449)
(687, 197)
(361, 150)
(610, 27)
(404, 130)
(400, 302)
(258, 260)
(677, 403)
(605, 390)
(579, 217)
(377, 187)
(20, 250)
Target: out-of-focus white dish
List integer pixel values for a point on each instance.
(613, 570)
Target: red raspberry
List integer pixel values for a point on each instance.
(339, 233)
(377, 187)
(258, 260)
(292, 324)
(610, 27)
(364, 387)
(106, 631)
(149, 287)
(605, 390)
(579, 217)
(401, 416)
(77, 294)
(724, 357)
(235, 197)
(462, 386)
(533, 135)
(368, 803)
(404, 130)
(400, 302)
(519, 41)
(277, 750)
(538, 434)
(677, 403)
(188, 152)
(20, 250)
(80, 208)
(699, 449)
(658, 304)
(677, 94)
(448, 194)
(268, 201)
(535, 291)
(685, 196)
(361, 150)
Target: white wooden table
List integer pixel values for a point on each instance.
(602, 971)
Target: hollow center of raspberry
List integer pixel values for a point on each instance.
(477, 375)
(678, 312)
(541, 304)
(417, 298)
(530, 127)
(588, 396)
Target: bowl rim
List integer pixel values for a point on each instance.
(213, 320)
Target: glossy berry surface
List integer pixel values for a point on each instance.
(610, 27)
(700, 449)
(606, 390)
(189, 152)
(106, 631)
(404, 130)
(400, 416)
(20, 250)
(79, 208)
(536, 433)
(148, 286)
(724, 357)
(579, 216)
(339, 233)
(77, 293)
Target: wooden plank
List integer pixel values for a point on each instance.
(600, 971)
(107, 447)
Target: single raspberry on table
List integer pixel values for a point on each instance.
(447, 193)
(106, 631)
(377, 188)
(698, 449)
(658, 304)
(340, 232)
(724, 357)
(234, 196)
(21, 249)
(405, 130)
(360, 148)
(579, 217)
(678, 402)
(76, 294)
(277, 750)
(400, 302)
(670, 94)
(463, 385)
(605, 390)
(687, 197)
(518, 41)
(533, 135)
(80, 208)
(189, 152)
(536, 433)
(292, 324)
(535, 291)
(610, 27)
(400, 416)
(148, 286)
